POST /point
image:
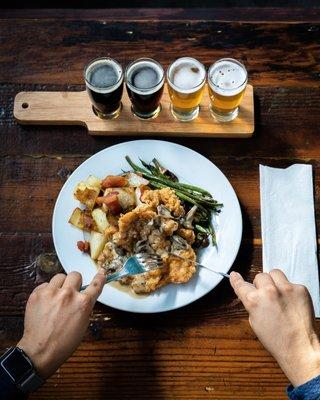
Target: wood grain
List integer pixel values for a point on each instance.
(74, 108)
(207, 349)
(290, 15)
(56, 51)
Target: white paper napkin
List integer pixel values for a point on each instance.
(288, 225)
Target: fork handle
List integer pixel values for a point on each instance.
(212, 270)
(110, 278)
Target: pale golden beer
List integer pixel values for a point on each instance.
(227, 81)
(186, 78)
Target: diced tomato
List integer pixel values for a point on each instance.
(83, 246)
(114, 181)
(111, 200)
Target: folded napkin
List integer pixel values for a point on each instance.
(288, 225)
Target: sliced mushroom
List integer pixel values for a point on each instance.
(142, 246)
(163, 211)
(119, 250)
(187, 223)
(178, 243)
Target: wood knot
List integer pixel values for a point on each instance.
(48, 263)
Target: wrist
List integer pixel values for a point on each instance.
(306, 364)
(38, 357)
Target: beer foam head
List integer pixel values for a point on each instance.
(186, 74)
(227, 77)
(144, 76)
(103, 75)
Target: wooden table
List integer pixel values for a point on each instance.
(206, 350)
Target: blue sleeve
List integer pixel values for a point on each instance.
(308, 391)
(9, 391)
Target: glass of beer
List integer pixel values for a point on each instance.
(104, 83)
(144, 82)
(186, 78)
(227, 81)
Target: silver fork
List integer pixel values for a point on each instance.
(134, 265)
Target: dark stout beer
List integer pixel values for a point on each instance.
(104, 82)
(144, 82)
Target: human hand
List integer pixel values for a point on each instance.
(56, 318)
(281, 314)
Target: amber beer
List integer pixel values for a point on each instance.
(104, 83)
(186, 78)
(144, 82)
(227, 80)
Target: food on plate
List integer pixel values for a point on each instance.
(146, 210)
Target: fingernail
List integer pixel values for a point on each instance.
(102, 271)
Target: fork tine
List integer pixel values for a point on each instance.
(150, 261)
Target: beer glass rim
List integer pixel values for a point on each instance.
(179, 88)
(244, 82)
(143, 90)
(109, 88)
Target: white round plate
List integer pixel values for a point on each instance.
(190, 167)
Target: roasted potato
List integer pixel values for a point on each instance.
(93, 181)
(87, 191)
(97, 242)
(86, 194)
(100, 219)
(76, 218)
(83, 220)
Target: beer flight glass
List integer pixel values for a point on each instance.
(186, 78)
(227, 80)
(144, 82)
(104, 83)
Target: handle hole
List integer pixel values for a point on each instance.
(25, 105)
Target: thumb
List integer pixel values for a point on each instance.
(241, 287)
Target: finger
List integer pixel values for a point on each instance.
(241, 287)
(73, 280)
(263, 279)
(42, 286)
(279, 278)
(95, 288)
(57, 281)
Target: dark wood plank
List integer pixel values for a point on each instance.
(196, 360)
(245, 14)
(55, 51)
